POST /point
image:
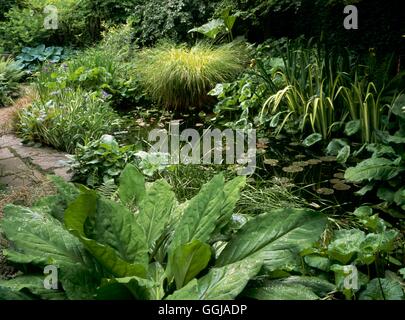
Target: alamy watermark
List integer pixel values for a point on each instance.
(51, 279)
(189, 147)
(351, 279)
(51, 19)
(351, 22)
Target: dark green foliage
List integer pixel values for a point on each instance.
(101, 160)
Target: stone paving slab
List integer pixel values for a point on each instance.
(5, 154)
(11, 166)
(22, 165)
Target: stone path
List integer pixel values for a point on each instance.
(21, 165)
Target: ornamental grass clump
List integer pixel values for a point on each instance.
(179, 77)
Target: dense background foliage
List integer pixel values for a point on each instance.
(328, 190)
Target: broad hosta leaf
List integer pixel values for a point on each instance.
(373, 169)
(224, 283)
(352, 127)
(275, 236)
(189, 260)
(132, 186)
(312, 139)
(200, 216)
(155, 211)
(382, 289)
(85, 207)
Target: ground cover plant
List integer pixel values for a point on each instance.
(10, 75)
(321, 216)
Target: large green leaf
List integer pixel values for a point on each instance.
(343, 154)
(189, 260)
(382, 289)
(345, 245)
(352, 127)
(276, 236)
(231, 196)
(312, 139)
(139, 288)
(34, 284)
(85, 207)
(335, 146)
(116, 227)
(224, 283)
(132, 186)
(41, 240)
(211, 29)
(12, 295)
(291, 288)
(200, 216)
(155, 211)
(373, 169)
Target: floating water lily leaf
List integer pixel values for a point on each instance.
(325, 191)
(341, 187)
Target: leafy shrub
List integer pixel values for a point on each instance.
(95, 69)
(10, 74)
(160, 19)
(101, 160)
(144, 255)
(384, 169)
(23, 27)
(71, 117)
(180, 77)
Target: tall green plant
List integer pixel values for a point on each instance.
(69, 118)
(10, 74)
(312, 81)
(160, 250)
